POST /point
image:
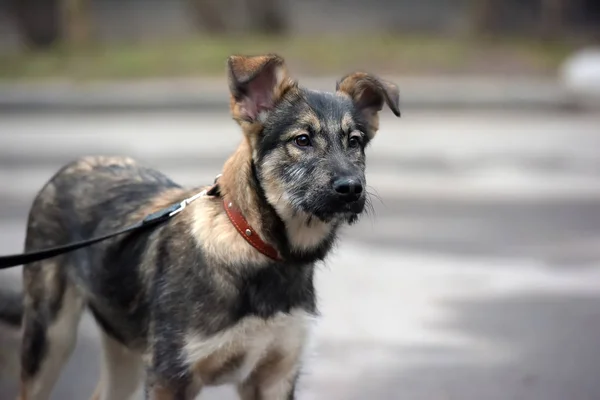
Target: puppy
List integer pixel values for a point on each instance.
(222, 292)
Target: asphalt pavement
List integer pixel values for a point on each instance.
(476, 278)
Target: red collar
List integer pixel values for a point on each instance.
(251, 236)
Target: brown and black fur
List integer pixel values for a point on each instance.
(190, 303)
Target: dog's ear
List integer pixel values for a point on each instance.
(256, 84)
(369, 93)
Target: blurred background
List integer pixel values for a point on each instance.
(478, 276)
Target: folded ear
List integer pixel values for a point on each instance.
(368, 93)
(256, 84)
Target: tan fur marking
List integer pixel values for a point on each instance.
(273, 377)
(347, 122)
(210, 225)
(305, 235)
(89, 163)
(320, 141)
(121, 372)
(247, 343)
(310, 118)
(220, 241)
(294, 152)
(61, 339)
(166, 199)
(373, 118)
(215, 369)
(159, 392)
(273, 366)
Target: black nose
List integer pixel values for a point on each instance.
(349, 188)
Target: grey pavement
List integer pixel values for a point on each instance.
(432, 92)
(476, 278)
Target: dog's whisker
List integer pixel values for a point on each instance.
(373, 192)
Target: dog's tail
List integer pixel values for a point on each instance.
(11, 308)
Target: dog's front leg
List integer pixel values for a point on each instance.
(274, 379)
(166, 393)
(161, 389)
(167, 377)
(282, 389)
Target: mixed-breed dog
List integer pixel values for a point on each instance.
(223, 292)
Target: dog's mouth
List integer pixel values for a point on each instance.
(336, 210)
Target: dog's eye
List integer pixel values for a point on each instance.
(354, 141)
(302, 140)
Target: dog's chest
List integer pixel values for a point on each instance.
(232, 355)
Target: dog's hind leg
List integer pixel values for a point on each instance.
(52, 311)
(122, 371)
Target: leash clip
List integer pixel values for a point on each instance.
(187, 201)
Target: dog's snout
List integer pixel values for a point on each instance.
(349, 188)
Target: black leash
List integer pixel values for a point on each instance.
(150, 220)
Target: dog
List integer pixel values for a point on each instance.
(223, 292)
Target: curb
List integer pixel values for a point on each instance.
(416, 93)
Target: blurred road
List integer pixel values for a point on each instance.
(478, 276)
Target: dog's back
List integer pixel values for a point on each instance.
(87, 195)
(93, 196)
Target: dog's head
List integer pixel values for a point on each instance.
(308, 147)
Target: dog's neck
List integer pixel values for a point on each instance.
(298, 237)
